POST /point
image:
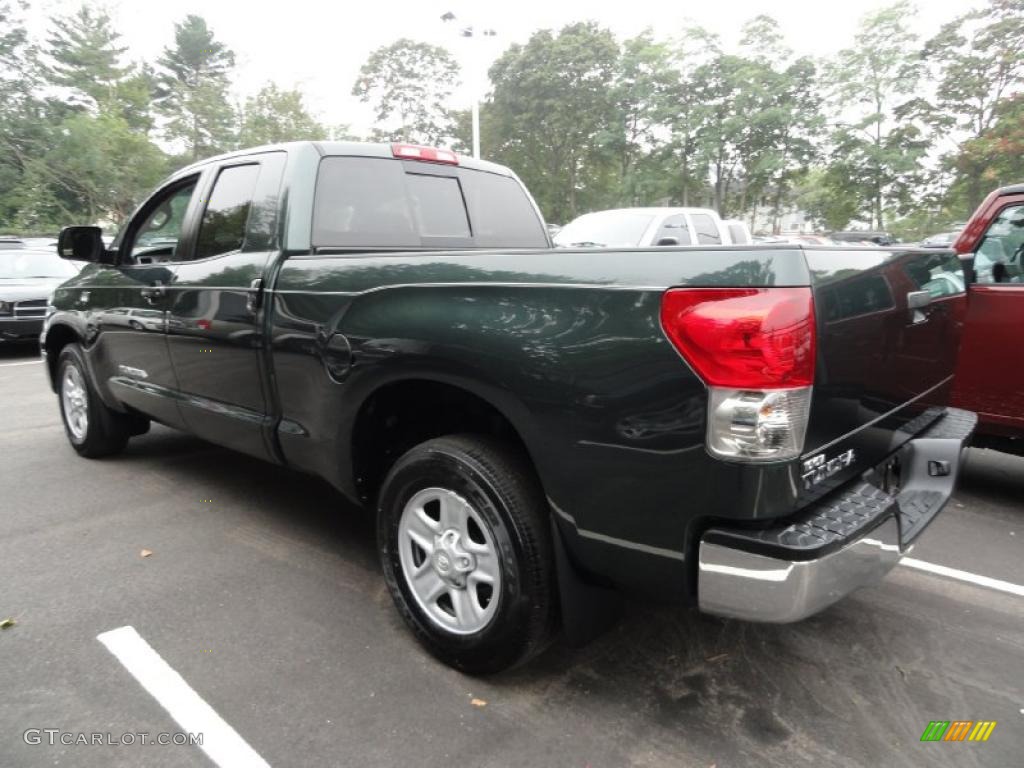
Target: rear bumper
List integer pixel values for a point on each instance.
(20, 329)
(850, 539)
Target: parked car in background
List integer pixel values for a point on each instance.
(641, 227)
(990, 371)
(757, 430)
(27, 278)
(857, 236)
(943, 240)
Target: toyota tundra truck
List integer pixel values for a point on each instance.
(755, 430)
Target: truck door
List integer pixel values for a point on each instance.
(214, 327)
(128, 304)
(990, 370)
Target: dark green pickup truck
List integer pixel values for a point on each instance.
(754, 430)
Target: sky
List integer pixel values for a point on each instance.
(319, 46)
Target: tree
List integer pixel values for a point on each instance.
(997, 156)
(86, 57)
(193, 90)
(97, 171)
(682, 113)
(786, 121)
(408, 84)
(643, 80)
(877, 149)
(274, 115)
(978, 60)
(552, 117)
(23, 123)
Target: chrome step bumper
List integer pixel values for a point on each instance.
(851, 539)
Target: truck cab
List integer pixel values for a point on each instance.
(990, 374)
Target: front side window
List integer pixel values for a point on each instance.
(706, 229)
(160, 232)
(223, 226)
(998, 259)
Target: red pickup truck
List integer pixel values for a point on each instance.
(990, 372)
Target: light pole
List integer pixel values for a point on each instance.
(475, 108)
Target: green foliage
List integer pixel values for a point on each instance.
(408, 84)
(877, 149)
(886, 133)
(978, 60)
(75, 179)
(192, 91)
(85, 56)
(274, 115)
(553, 117)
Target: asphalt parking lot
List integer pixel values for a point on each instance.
(263, 592)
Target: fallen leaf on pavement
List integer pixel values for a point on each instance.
(145, 553)
(7, 623)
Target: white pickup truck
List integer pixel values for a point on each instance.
(640, 227)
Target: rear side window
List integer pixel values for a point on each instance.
(856, 296)
(706, 229)
(941, 274)
(738, 233)
(223, 227)
(674, 227)
(377, 202)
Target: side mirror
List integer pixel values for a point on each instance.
(668, 241)
(81, 244)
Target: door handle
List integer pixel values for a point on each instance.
(154, 292)
(917, 303)
(255, 295)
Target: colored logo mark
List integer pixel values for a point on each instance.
(958, 730)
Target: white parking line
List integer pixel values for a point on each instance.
(971, 578)
(221, 742)
(11, 365)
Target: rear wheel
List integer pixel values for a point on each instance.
(466, 552)
(92, 428)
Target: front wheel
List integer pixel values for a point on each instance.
(92, 428)
(466, 552)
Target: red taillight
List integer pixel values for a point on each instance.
(431, 154)
(745, 338)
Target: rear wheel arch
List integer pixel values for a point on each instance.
(400, 414)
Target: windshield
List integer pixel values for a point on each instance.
(21, 265)
(612, 229)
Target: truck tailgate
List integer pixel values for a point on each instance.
(888, 323)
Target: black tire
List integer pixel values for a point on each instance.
(107, 431)
(503, 490)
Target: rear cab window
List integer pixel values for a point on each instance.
(605, 229)
(369, 202)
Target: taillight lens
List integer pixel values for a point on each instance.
(754, 348)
